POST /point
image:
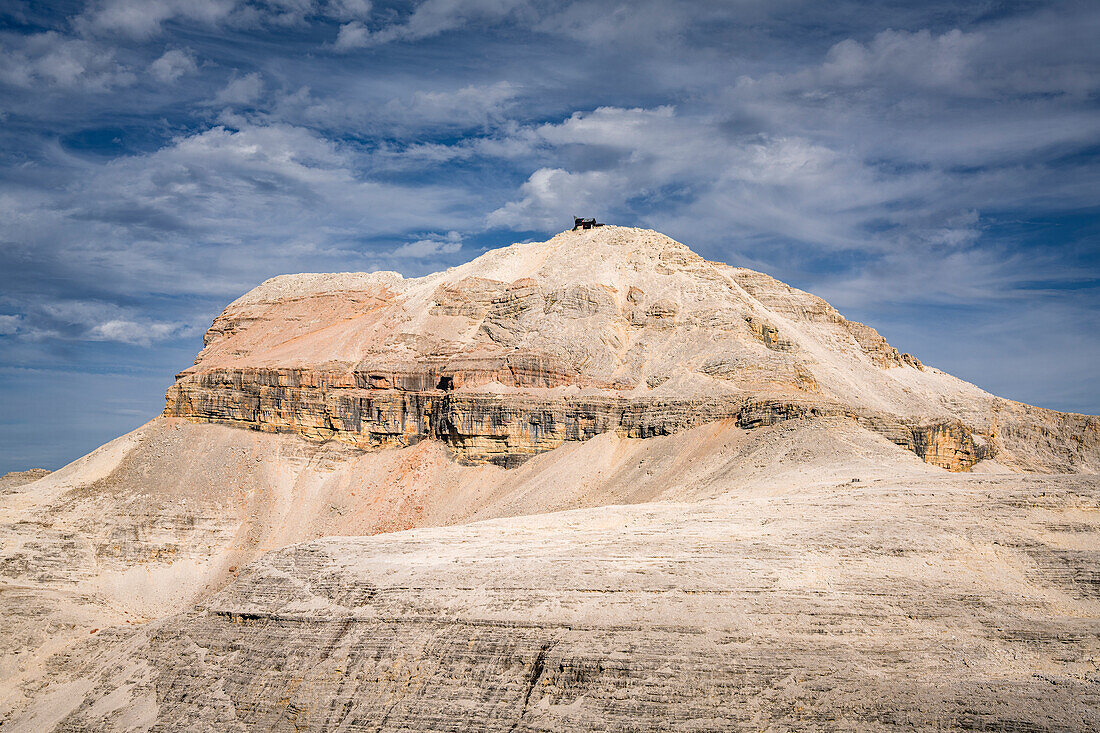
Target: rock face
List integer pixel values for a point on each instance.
(13, 479)
(610, 329)
(596, 483)
(508, 429)
(970, 610)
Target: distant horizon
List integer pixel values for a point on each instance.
(928, 169)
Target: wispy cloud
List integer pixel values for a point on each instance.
(241, 90)
(428, 19)
(448, 243)
(88, 320)
(173, 64)
(142, 19)
(902, 159)
(54, 61)
(145, 19)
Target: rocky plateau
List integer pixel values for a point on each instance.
(593, 483)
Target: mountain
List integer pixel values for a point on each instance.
(606, 330)
(593, 482)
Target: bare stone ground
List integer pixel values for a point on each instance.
(920, 600)
(726, 507)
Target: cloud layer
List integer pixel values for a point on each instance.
(929, 168)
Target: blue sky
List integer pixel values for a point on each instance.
(932, 169)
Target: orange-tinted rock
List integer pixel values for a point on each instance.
(612, 329)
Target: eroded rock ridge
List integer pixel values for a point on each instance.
(613, 329)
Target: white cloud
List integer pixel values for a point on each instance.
(145, 18)
(137, 18)
(551, 195)
(781, 185)
(918, 59)
(141, 333)
(472, 104)
(52, 60)
(449, 243)
(948, 99)
(348, 9)
(352, 35)
(9, 325)
(173, 64)
(430, 18)
(213, 213)
(413, 114)
(241, 90)
(266, 179)
(89, 320)
(872, 146)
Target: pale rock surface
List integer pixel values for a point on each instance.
(12, 479)
(608, 330)
(596, 483)
(942, 603)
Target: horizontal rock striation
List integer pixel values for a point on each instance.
(610, 330)
(754, 530)
(503, 429)
(831, 608)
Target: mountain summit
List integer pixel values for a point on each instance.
(593, 483)
(607, 329)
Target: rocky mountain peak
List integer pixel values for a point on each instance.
(608, 329)
(747, 474)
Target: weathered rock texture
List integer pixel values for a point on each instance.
(713, 504)
(612, 329)
(947, 603)
(159, 519)
(13, 479)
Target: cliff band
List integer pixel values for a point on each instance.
(605, 330)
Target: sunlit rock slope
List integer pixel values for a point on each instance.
(608, 330)
(595, 483)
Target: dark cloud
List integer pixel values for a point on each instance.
(929, 167)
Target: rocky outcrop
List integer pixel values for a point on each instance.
(500, 429)
(13, 479)
(610, 330)
(506, 429)
(949, 445)
(943, 604)
(1041, 440)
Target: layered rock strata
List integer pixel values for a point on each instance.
(616, 329)
(507, 430)
(158, 519)
(947, 603)
(752, 541)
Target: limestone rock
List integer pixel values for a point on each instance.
(610, 329)
(12, 479)
(971, 608)
(596, 483)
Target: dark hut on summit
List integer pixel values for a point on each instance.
(579, 223)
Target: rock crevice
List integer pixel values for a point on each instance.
(507, 429)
